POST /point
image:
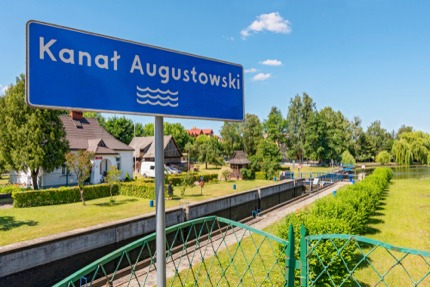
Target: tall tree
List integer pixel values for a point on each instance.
(179, 134)
(31, 139)
(267, 158)
(275, 127)
(336, 126)
(353, 137)
(121, 128)
(176, 130)
(316, 144)
(299, 113)
(252, 133)
(231, 138)
(209, 150)
(379, 138)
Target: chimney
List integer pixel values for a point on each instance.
(76, 115)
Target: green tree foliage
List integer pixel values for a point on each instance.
(113, 177)
(98, 116)
(120, 128)
(31, 139)
(300, 111)
(176, 130)
(209, 150)
(379, 138)
(316, 144)
(231, 138)
(354, 133)
(179, 134)
(403, 129)
(383, 157)
(267, 158)
(275, 126)
(252, 132)
(347, 158)
(80, 164)
(411, 147)
(336, 125)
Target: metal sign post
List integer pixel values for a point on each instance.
(74, 69)
(160, 212)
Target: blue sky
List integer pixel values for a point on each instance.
(366, 58)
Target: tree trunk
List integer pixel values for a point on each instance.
(34, 174)
(81, 190)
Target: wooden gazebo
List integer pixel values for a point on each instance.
(238, 161)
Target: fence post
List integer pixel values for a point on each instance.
(303, 258)
(290, 260)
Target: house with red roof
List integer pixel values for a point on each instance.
(195, 132)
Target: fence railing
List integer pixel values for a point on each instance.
(209, 251)
(350, 260)
(214, 251)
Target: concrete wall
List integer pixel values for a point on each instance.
(236, 206)
(98, 240)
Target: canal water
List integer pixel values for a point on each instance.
(412, 172)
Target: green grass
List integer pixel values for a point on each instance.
(402, 220)
(19, 224)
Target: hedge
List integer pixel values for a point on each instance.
(138, 189)
(348, 212)
(60, 195)
(10, 188)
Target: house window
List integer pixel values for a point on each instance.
(118, 163)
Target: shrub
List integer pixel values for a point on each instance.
(247, 173)
(260, 175)
(225, 173)
(9, 189)
(348, 212)
(60, 195)
(138, 189)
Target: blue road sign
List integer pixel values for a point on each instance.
(73, 69)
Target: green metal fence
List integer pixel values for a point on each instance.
(349, 260)
(214, 251)
(209, 251)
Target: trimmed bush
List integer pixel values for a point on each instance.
(348, 213)
(138, 189)
(60, 195)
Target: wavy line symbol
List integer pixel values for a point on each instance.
(157, 97)
(147, 89)
(157, 103)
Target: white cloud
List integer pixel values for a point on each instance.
(269, 62)
(251, 70)
(261, 77)
(272, 22)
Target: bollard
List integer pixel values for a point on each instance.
(234, 186)
(151, 203)
(274, 178)
(334, 193)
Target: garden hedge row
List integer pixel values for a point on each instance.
(63, 195)
(348, 212)
(60, 195)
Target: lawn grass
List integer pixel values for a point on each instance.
(19, 224)
(403, 220)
